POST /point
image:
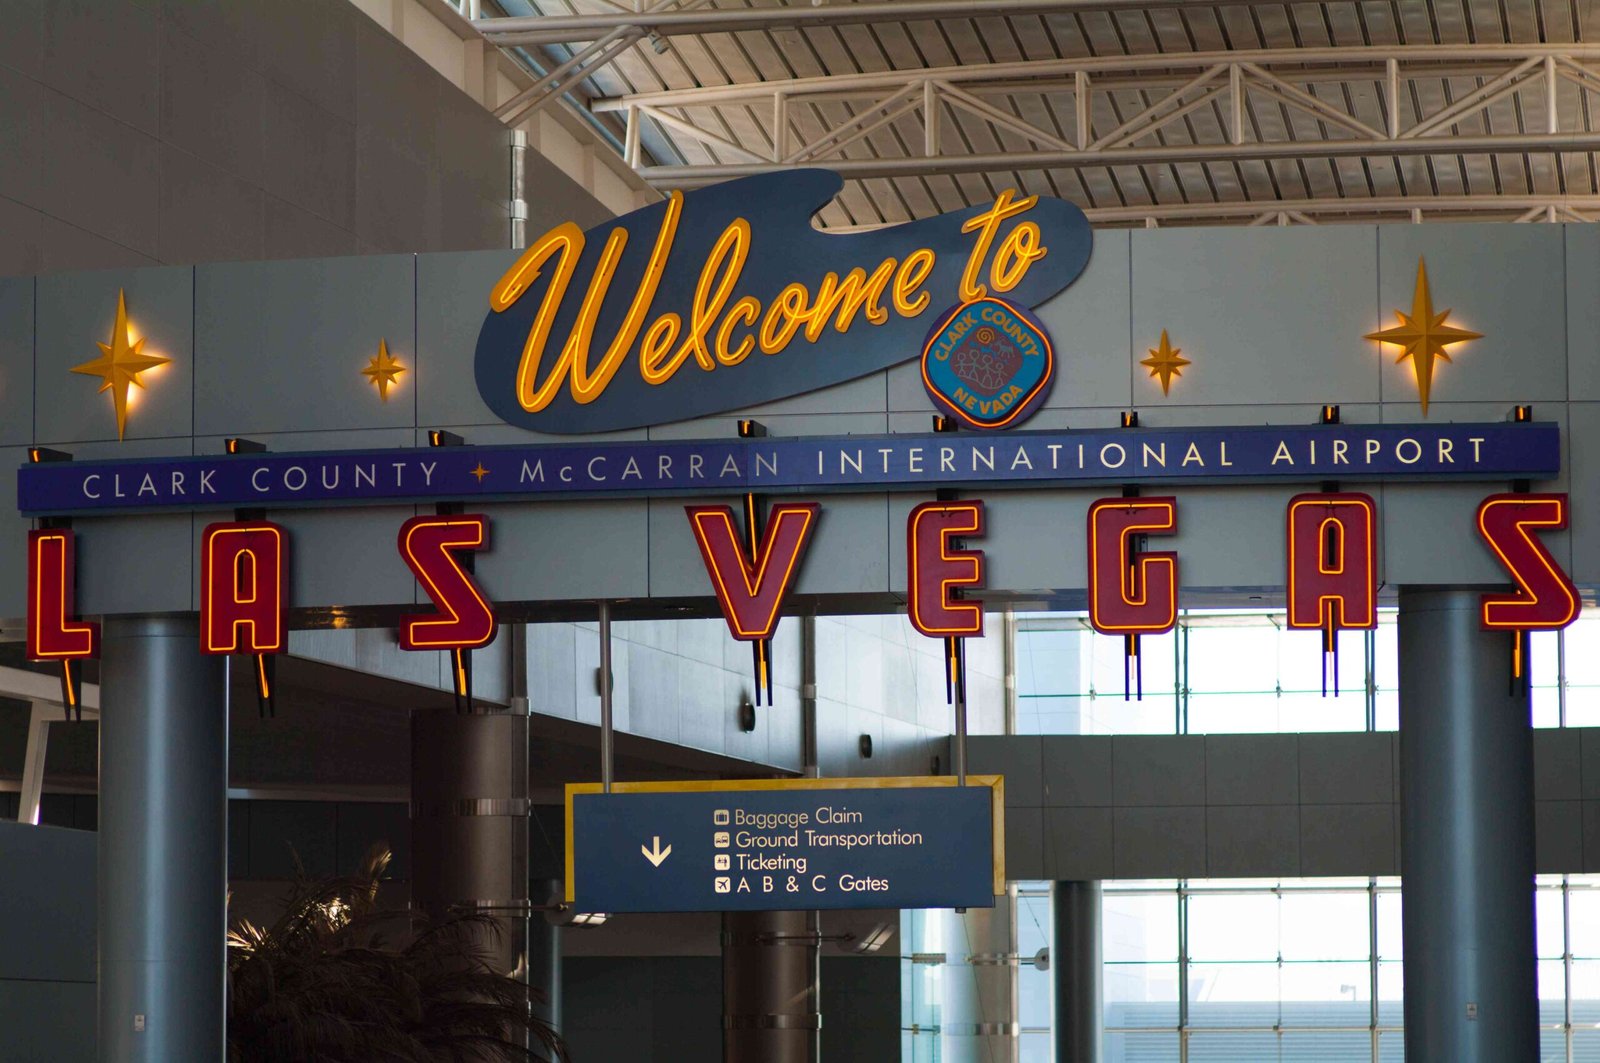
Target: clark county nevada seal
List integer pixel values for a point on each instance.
(988, 364)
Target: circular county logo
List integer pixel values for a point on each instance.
(988, 364)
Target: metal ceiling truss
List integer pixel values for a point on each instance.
(660, 19)
(1347, 102)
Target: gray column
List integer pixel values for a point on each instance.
(163, 843)
(469, 818)
(544, 954)
(1466, 837)
(1076, 972)
(770, 979)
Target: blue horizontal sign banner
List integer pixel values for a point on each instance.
(1486, 451)
(782, 849)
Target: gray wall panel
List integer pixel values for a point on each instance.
(144, 566)
(1192, 806)
(49, 885)
(347, 558)
(1504, 287)
(1293, 332)
(13, 539)
(1582, 458)
(452, 299)
(180, 131)
(16, 360)
(282, 344)
(75, 314)
(1583, 312)
(565, 550)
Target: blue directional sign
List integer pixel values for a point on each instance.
(791, 844)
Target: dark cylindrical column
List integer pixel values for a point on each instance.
(1466, 837)
(469, 818)
(770, 979)
(1076, 972)
(163, 843)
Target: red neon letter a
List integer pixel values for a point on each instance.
(1333, 553)
(751, 590)
(242, 592)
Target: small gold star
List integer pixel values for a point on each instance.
(1165, 362)
(383, 370)
(1422, 335)
(480, 472)
(120, 363)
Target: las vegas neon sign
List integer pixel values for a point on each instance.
(1330, 578)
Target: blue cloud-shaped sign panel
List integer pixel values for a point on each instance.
(727, 297)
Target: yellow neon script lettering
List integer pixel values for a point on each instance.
(913, 271)
(986, 224)
(707, 335)
(567, 241)
(1018, 251)
(744, 312)
(734, 245)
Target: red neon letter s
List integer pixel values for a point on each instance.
(1332, 560)
(935, 571)
(52, 634)
(242, 593)
(751, 590)
(1545, 597)
(1128, 595)
(465, 619)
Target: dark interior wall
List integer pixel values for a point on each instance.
(139, 132)
(47, 942)
(668, 1009)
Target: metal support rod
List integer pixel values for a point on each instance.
(519, 188)
(607, 726)
(960, 753)
(808, 697)
(33, 763)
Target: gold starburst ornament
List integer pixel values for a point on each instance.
(1423, 335)
(384, 370)
(1165, 362)
(120, 363)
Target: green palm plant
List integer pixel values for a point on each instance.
(337, 979)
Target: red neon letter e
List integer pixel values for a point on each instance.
(52, 634)
(1131, 595)
(1545, 597)
(934, 571)
(1332, 555)
(751, 590)
(242, 593)
(465, 619)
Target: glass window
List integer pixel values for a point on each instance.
(1139, 927)
(1233, 1047)
(1322, 1047)
(1124, 1046)
(1141, 995)
(1238, 926)
(1326, 926)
